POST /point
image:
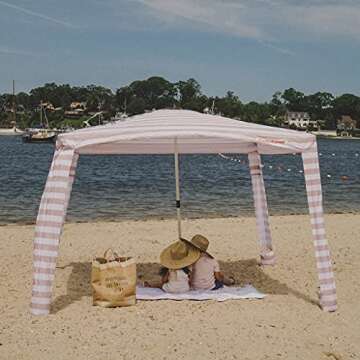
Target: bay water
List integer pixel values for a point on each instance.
(143, 186)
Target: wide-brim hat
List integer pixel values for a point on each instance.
(200, 242)
(179, 255)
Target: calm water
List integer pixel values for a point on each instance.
(113, 187)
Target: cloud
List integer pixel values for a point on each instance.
(38, 15)
(209, 14)
(16, 52)
(265, 20)
(342, 18)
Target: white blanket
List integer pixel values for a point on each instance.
(226, 293)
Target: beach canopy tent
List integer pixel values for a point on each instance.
(178, 132)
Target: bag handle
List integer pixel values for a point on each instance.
(112, 257)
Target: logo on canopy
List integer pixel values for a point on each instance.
(265, 140)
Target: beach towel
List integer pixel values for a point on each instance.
(225, 293)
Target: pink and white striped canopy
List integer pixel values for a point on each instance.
(161, 132)
(155, 132)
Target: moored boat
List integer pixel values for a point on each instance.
(39, 135)
(11, 131)
(42, 133)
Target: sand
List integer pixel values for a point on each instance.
(287, 324)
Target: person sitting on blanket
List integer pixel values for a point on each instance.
(176, 260)
(206, 274)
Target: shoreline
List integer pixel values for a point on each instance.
(169, 218)
(337, 137)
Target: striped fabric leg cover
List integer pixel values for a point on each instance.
(267, 256)
(49, 225)
(322, 252)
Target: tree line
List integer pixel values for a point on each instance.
(159, 93)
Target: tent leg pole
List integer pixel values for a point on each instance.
(48, 240)
(327, 293)
(177, 182)
(267, 256)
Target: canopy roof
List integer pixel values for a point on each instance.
(156, 132)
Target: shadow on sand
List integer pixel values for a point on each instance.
(243, 271)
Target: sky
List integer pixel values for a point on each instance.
(251, 47)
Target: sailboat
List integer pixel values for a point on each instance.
(14, 130)
(42, 133)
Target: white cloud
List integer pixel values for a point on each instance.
(16, 52)
(333, 19)
(37, 14)
(264, 20)
(224, 16)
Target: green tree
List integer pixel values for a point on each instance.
(136, 106)
(23, 100)
(156, 92)
(293, 99)
(230, 105)
(188, 92)
(347, 104)
(152, 89)
(255, 112)
(318, 104)
(276, 99)
(123, 97)
(99, 98)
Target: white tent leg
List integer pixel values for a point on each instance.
(322, 253)
(49, 224)
(267, 256)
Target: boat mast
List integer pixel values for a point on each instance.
(46, 119)
(14, 105)
(41, 114)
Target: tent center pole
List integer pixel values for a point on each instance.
(177, 183)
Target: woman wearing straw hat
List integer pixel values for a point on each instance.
(177, 260)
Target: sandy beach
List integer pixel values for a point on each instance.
(287, 324)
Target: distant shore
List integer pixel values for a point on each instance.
(331, 134)
(337, 137)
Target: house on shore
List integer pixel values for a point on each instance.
(299, 119)
(77, 110)
(346, 126)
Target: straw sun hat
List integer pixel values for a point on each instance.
(200, 242)
(179, 255)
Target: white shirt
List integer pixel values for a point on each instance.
(178, 282)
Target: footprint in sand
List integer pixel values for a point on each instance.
(333, 356)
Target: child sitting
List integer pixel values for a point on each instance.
(175, 280)
(206, 274)
(176, 260)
